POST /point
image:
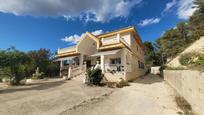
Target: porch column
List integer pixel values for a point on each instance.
(61, 65)
(81, 62)
(102, 64)
(118, 37)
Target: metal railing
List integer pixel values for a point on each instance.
(67, 49)
(114, 68)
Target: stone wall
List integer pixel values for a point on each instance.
(190, 85)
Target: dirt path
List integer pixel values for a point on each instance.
(146, 96)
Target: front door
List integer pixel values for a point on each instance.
(88, 63)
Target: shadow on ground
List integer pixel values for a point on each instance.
(149, 79)
(33, 86)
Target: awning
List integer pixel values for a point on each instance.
(106, 52)
(65, 58)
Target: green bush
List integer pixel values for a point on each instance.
(200, 60)
(94, 76)
(187, 58)
(193, 61)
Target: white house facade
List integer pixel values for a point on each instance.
(119, 54)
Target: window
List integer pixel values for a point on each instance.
(65, 62)
(115, 61)
(140, 65)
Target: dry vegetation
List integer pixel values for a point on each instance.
(184, 105)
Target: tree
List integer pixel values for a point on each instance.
(151, 57)
(175, 40)
(42, 59)
(18, 65)
(13, 63)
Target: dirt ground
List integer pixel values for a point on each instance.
(149, 95)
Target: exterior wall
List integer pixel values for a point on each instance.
(135, 71)
(190, 85)
(132, 59)
(87, 46)
(127, 38)
(137, 49)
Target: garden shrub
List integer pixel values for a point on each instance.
(3, 74)
(187, 58)
(198, 63)
(193, 61)
(199, 60)
(94, 76)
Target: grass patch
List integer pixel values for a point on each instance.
(184, 105)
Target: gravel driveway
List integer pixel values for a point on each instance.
(149, 95)
(49, 97)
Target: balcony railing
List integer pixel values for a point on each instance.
(114, 68)
(67, 49)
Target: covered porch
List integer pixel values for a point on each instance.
(109, 61)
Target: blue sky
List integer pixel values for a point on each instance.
(33, 24)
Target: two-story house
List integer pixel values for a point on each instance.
(120, 54)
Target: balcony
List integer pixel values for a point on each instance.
(67, 49)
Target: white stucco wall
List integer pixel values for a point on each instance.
(190, 85)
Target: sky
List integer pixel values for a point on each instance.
(52, 24)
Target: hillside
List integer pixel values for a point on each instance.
(197, 46)
(175, 40)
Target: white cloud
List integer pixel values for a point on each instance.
(97, 32)
(88, 10)
(149, 21)
(74, 38)
(185, 9)
(170, 5)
